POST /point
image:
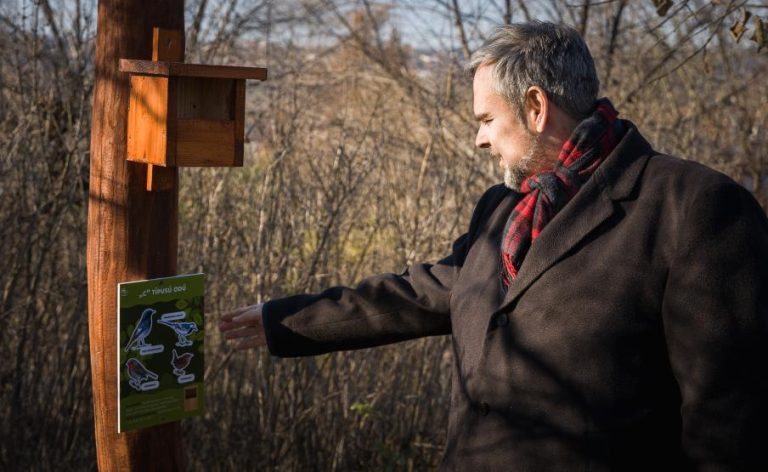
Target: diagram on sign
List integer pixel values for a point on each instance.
(141, 378)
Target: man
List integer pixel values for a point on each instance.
(608, 305)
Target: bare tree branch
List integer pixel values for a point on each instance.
(584, 18)
(197, 21)
(524, 7)
(459, 23)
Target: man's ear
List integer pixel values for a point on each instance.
(536, 109)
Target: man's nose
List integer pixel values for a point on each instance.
(480, 140)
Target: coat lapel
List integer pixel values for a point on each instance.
(588, 208)
(591, 206)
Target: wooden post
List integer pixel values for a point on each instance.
(132, 233)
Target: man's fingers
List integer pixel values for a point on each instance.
(229, 315)
(247, 311)
(247, 316)
(245, 326)
(225, 326)
(237, 323)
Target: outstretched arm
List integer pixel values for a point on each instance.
(382, 309)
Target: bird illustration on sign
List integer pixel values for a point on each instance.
(182, 330)
(141, 331)
(181, 362)
(139, 377)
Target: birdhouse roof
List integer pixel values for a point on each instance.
(182, 69)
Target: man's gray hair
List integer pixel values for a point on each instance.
(551, 56)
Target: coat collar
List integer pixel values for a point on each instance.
(593, 204)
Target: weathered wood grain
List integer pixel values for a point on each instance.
(169, 69)
(167, 45)
(204, 98)
(206, 143)
(132, 233)
(148, 121)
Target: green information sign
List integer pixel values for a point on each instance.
(160, 332)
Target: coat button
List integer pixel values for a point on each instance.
(502, 320)
(484, 408)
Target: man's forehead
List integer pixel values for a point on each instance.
(484, 94)
(483, 82)
(485, 73)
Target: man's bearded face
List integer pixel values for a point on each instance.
(501, 131)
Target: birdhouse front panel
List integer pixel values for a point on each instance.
(148, 121)
(205, 98)
(205, 143)
(207, 122)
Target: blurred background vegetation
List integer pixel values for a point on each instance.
(359, 160)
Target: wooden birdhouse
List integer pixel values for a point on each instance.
(184, 115)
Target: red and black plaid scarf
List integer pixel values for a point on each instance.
(546, 192)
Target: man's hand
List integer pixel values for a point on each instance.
(245, 326)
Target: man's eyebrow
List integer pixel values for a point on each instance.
(482, 116)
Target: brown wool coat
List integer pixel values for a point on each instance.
(634, 338)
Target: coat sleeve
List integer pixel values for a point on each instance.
(382, 309)
(715, 314)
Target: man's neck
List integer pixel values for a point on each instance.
(560, 129)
